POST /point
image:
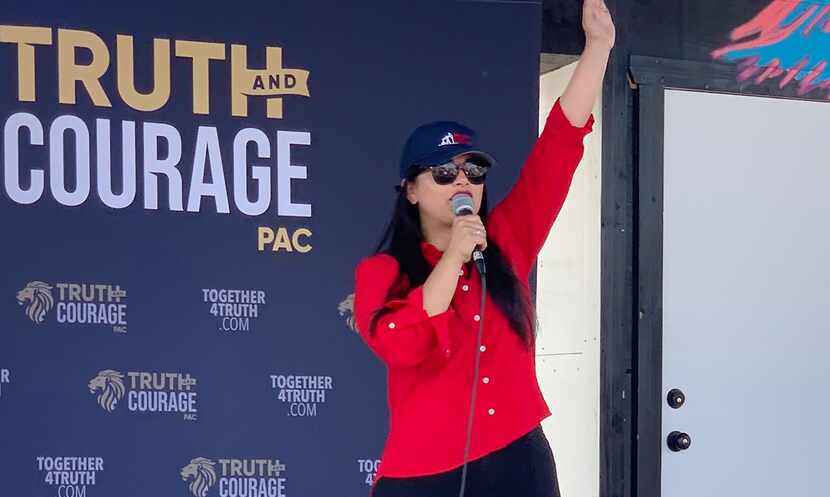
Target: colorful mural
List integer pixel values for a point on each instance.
(789, 39)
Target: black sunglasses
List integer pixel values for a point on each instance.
(444, 174)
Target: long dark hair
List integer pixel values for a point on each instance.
(402, 240)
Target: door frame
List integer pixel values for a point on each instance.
(651, 76)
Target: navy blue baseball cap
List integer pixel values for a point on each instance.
(437, 143)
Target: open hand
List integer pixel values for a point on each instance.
(597, 23)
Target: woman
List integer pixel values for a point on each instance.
(458, 393)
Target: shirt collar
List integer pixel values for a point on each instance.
(433, 255)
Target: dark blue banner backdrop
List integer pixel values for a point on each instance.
(186, 191)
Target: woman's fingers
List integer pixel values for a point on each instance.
(471, 222)
(597, 23)
(468, 233)
(479, 236)
(477, 230)
(481, 243)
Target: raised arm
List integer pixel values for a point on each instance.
(586, 82)
(527, 213)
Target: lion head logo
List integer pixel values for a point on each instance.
(110, 385)
(202, 473)
(37, 297)
(346, 309)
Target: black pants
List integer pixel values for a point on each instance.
(525, 468)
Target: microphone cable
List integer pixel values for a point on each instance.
(482, 271)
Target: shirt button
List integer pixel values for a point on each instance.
(465, 287)
(476, 318)
(460, 272)
(491, 411)
(482, 348)
(391, 326)
(485, 379)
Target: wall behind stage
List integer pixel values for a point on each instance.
(176, 267)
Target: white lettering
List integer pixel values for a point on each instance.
(25, 182)
(261, 174)
(11, 158)
(91, 313)
(57, 167)
(128, 168)
(286, 172)
(252, 487)
(368, 465)
(161, 401)
(207, 150)
(154, 165)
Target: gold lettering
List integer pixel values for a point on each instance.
(265, 235)
(201, 53)
(295, 239)
(69, 71)
(156, 99)
(272, 82)
(282, 241)
(242, 79)
(25, 37)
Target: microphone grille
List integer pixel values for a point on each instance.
(462, 203)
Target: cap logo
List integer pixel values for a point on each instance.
(454, 139)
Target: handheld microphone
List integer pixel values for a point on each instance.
(462, 205)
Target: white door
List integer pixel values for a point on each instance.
(746, 295)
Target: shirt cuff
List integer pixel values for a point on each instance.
(558, 121)
(440, 322)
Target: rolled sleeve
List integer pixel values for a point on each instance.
(404, 335)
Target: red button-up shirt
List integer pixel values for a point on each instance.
(430, 359)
